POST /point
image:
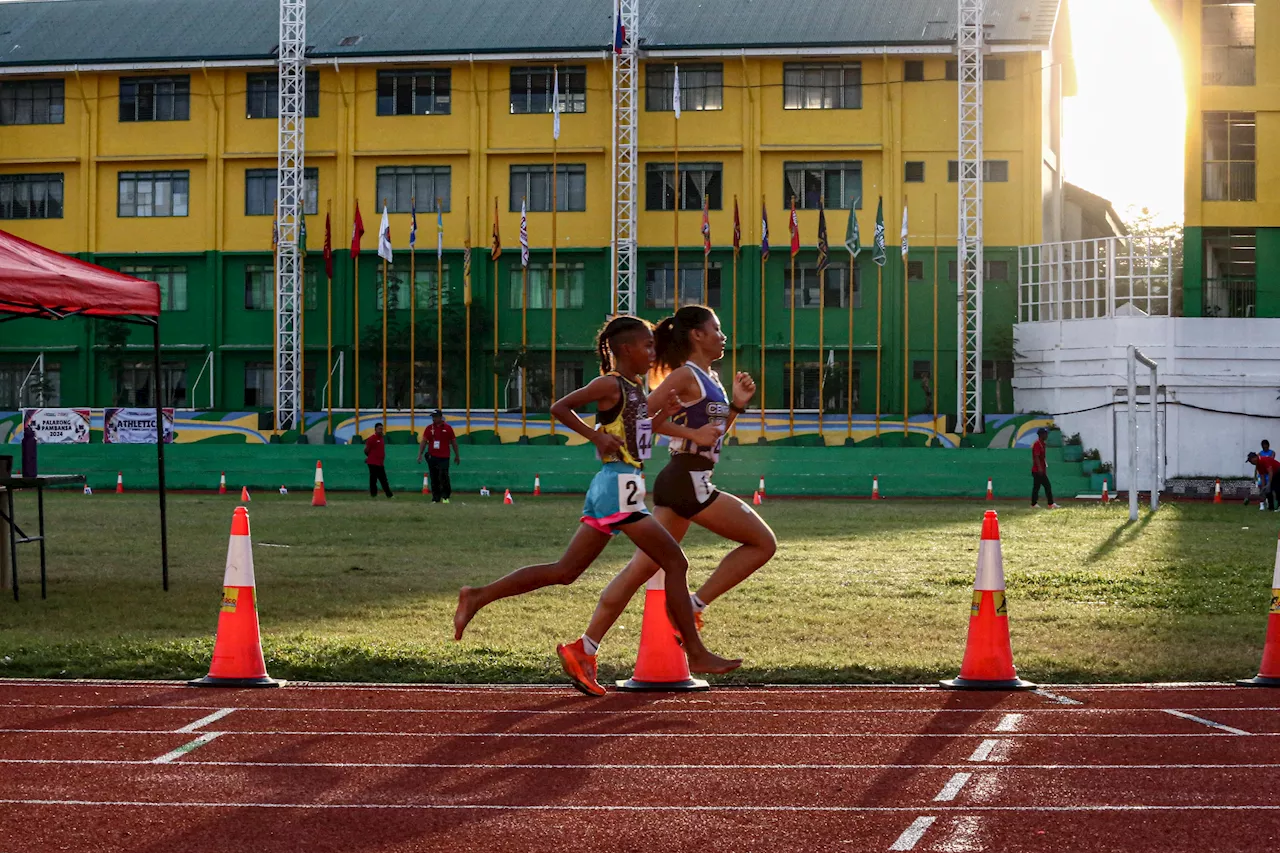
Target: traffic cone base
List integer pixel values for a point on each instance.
(959, 683)
(1258, 681)
(661, 665)
(689, 684)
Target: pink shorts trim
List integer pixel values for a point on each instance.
(606, 524)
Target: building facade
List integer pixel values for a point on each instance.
(148, 145)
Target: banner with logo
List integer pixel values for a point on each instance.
(57, 426)
(134, 426)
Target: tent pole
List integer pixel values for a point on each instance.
(164, 526)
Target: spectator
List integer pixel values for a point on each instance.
(1040, 471)
(437, 440)
(1258, 479)
(1265, 467)
(375, 456)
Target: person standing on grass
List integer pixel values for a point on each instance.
(1040, 471)
(615, 498)
(1265, 468)
(437, 439)
(686, 346)
(1260, 481)
(375, 456)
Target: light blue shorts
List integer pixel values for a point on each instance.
(615, 495)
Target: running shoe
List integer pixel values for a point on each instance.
(580, 667)
(1054, 506)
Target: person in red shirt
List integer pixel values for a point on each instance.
(1265, 467)
(1040, 470)
(437, 440)
(375, 456)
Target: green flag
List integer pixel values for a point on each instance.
(852, 239)
(877, 250)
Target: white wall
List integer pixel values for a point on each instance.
(1231, 365)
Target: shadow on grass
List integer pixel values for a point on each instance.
(1123, 535)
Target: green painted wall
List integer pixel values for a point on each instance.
(1267, 282)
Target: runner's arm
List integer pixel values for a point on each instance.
(604, 392)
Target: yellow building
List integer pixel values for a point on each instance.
(141, 134)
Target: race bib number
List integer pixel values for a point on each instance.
(644, 437)
(630, 493)
(435, 445)
(702, 487)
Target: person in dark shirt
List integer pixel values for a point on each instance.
(1265, 468)
(437, 440)
(1040, 471)
(375, 456)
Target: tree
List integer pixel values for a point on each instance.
(1144, 222)
(453, 349)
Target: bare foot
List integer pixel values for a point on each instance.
(466, 609)
(708, 663)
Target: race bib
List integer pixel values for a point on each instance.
(702, 487)
(435, 445)
(630, 493)
(644, 437)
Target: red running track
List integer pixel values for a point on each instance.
(158, 767)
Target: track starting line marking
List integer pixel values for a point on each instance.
(911, 836)
(1210, 723)
(204, 721)
(1054, 697)
(174, 754)
(985, 750)
(951, 790)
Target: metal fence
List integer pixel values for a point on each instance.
(1229, 297)
(1088, 279)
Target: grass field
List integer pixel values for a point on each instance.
(858, 592)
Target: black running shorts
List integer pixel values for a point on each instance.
(685, 485)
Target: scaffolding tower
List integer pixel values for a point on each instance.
(289, 212)
(969, 55)
(625, 155)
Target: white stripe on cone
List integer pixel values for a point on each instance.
(319, 475)
(990, 566)
(239, 562)
(1275, 577)
(658, 581)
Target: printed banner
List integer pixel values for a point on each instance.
(57, 426)
(134, 426)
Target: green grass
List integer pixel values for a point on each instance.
(858, 592)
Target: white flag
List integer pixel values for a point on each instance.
(384, 237)
(524, 236)
(675, 95)
(904, 230)
(555, 105)
(831, 360)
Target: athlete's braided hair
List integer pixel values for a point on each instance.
(671, 336)
(620, 325)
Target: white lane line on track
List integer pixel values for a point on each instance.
(911, 836)
(951, 790)
(174, 754)
(618, 735)
(204, 721)
(1009, 723)
(1054, 697)
(1216, 686)
(985, 750)
(1210, 723)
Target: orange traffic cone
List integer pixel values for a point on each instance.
(237, 651)
(537, 485)
(426, 485)
(1217, 491)
(756, 499)
(1106, 497)
(222, 484)
(661, 664)
(990, 495)
(317, 492)
(244, 494)
(1269, 673)
(875, 488)
(761, 487)
(506, 498)
(119, 482)
(988, 657)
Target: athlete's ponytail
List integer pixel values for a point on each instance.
(619, 325)
(671, 341)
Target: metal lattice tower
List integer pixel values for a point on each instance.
(969, 278)
(289, 193)
(625, 157)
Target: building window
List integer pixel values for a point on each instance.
(996, 370)
(262, 95)
(571, 286)
(401, 185)
(915, 270)
(1227, 43)
(153, 193)
(1230, 272)
(259, 384)
(20, 386)
(701, 87)
(993, 171)
(31, 196)
(135, 384)
(533, 183)
(913, 172)
(397, 284)
(838, 185)
(1230, 152)
(260, 192)
(155, 98)
(260, 291)
(424, 288)
(835, 385)
(992, 69)
(531, 88)
(697, 180)
(659, 280)
(991, 270)
(913, 71)
(835, 294)
(32, 102)
(421, 92)
(822, 86)
(921, 369)
(172, 281)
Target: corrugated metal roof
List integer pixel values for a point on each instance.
(38, 32)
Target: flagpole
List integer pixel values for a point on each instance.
(355, 304)
(933, 368)
(439, 310)
(413, 319)
(906, 328)
(302, 335)
(764, 427)
(822, 368)
(879, 320)
(328, 348)
(275, 312)
(466, 285)
(386, 298)
(524, 329)
(555, 206)
(791, 390)
(494, 256)
(705, 246)
(733, 352)
(853, 279)
(675, 213)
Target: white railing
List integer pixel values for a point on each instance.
(1088, 279)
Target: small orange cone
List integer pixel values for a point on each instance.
(426, 485)
(756, 499)
(237, 651)
(990, 495)
(506, 498)
(537, 485)
(1106, 497)
(988, 657)
(875, 488)
(661, 664)
(1269, 673)
(317, 492)
(1217, 491)
(222, 484)
(119, 482)
(244, 494)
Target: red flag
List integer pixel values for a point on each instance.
(357, 231)
(328, 248)
(706, 228)
(737, 227)
(795, 230)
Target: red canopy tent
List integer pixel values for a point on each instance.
(39, 282)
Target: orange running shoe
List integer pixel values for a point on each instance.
(580, 667)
